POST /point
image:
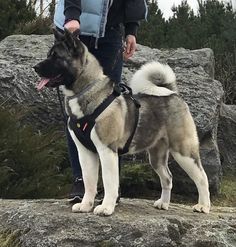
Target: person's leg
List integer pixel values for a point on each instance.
(109, 53)
(77, 191)
(73, 156)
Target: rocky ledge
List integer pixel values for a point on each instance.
(50, 223)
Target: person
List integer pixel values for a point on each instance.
(102, 26)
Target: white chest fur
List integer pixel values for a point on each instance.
(75, 108)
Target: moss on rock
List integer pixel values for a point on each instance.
(10, 238)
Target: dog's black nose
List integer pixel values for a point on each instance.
(36, 68)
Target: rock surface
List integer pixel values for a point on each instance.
(195, 76)
(50, 223)
(227, 136)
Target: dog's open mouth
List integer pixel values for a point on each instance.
(49, 82)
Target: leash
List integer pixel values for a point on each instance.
(61, 106)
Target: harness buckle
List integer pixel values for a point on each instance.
(124, 89)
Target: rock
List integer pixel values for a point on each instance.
(50, 223)
(195, 76)
(18, 54)
(227, 136)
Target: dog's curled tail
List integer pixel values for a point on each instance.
(154, 78)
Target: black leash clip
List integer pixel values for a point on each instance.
(126, 90)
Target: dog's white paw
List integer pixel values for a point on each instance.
(104, 210)
(161, 205)
(201, 208)
(82, 208)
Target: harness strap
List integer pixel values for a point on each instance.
(105, 103)
(82, 127)
(61, 106)
(127, 144)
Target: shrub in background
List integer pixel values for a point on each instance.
(39, 26)
(13, 12)
(32, 164)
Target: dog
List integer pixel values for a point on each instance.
(164, 123)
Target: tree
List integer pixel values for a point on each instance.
(13, 12)
(180, 28)
(218, 29)
(152, 31)
(214, 26)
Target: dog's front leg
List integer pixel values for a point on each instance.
(90, 164)
(110, 177)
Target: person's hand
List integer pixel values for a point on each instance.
(72, 25)
(130, 46)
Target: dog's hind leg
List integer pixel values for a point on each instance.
(158, 157)
(191, 164)
(90, 165)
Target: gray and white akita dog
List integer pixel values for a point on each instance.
(164, 123)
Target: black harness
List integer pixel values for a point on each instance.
(82, 127)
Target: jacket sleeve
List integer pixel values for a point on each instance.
(72, 9)
(135, 11)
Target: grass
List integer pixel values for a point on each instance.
(227, 196)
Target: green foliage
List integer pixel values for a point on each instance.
(10, 238)
(32, 165)
(214, 26)
(227, 196)
(181, 29)
(37, 26)
(152, 31)
(139, 180)
(13, 12)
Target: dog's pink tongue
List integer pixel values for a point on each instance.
(42, 83)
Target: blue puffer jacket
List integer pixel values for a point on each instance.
(95, 17)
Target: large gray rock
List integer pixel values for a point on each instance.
(227, 136)
(50, 223)
(18, 54)
(194, 71)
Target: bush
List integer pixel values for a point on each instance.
(32, 164)
(13, 12)
(37, 26)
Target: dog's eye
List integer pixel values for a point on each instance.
(52, 54)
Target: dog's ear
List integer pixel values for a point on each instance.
(74, 44)
(69, 39)
(80, 48)
(59, 36)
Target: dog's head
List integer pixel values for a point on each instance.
(62, 64)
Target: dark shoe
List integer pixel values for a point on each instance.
(77, 191)
(99, 196)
